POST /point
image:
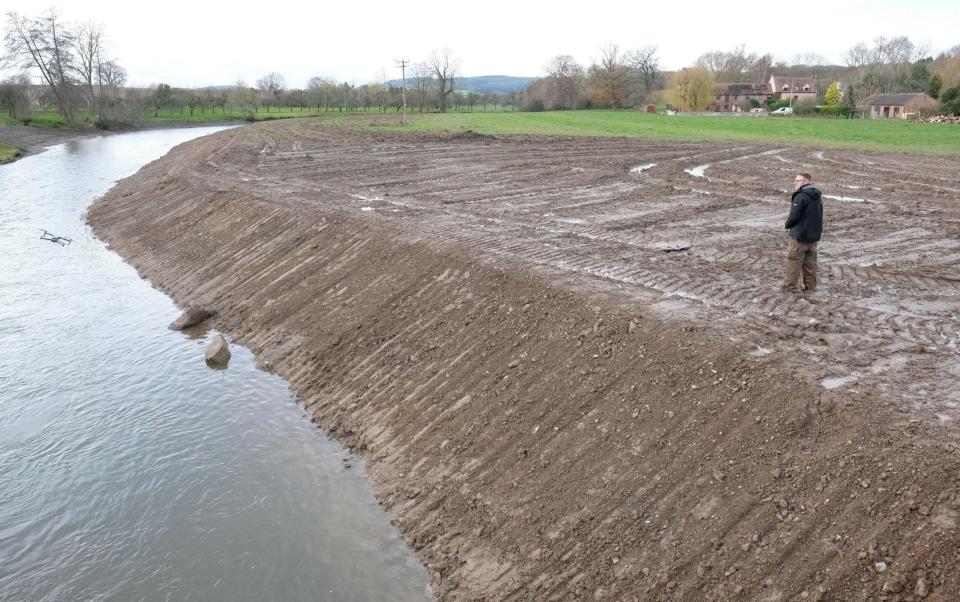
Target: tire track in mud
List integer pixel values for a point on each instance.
(572, 208)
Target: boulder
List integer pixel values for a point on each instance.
(191, 317)
(218, 353)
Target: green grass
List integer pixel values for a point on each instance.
(862, 134)
(47, 119)
(8, 153)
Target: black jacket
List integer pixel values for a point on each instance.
(805, 221)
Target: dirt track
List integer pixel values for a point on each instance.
(554, 406)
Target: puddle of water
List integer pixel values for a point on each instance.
(833, 383)
(644, 167)
(849, 199)
(128, 469)
(698, 171)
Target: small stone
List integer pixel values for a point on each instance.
(631, 327)
(745, 547)
(924, 510)
(615, 560)
(892, 585)
(513, 364)
(218, 353)
(865, 484)
(718, 475)
(922, 589)
(880, 566)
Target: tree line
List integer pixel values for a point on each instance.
(73, 62)
(633, 78)
(78, 74)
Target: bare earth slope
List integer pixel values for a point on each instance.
(555, 408)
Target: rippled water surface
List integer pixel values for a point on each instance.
(128, 469)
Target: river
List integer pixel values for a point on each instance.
(129, 470)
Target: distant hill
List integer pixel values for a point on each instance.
(486, 83)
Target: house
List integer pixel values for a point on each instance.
(794, 89)
(734, 97)
(897, 106)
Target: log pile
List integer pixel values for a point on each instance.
(943, 119)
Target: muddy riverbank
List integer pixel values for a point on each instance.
(31, 140)
(551, 406)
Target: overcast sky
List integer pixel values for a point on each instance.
(202, 42)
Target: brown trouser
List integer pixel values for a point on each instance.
(801, 259)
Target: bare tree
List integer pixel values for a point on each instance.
(810, 59)
(271, 86)
(564, 76)
(645, 62)
(47, 45)
(762, 68)
(89, 55)
(242, 96)
(320, 90)
(714, 61)
(422, 83)
(444, 67)
(611, 77)
(111, 75)
(885, 66)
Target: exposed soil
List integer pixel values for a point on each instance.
(557, 402)
(32, 140)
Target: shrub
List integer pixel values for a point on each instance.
(950, 101)
(805, 107)
(835, 111)
(536, 105)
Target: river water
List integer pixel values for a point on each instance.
(128, 469)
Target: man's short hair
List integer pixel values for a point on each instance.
(805, 176)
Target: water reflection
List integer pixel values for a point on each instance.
(128, 469)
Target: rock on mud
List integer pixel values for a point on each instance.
(218, 353)
(191, 317)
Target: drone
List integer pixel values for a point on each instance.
(60, 240)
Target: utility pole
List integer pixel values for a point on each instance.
(402, 63)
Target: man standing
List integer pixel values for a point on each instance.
(805, 224)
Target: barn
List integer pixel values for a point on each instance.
(897, 106)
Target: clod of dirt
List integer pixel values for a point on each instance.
(191, 317)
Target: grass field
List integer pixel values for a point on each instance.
(862, 134)
(7, 152)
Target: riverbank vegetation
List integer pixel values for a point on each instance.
(8, 153)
